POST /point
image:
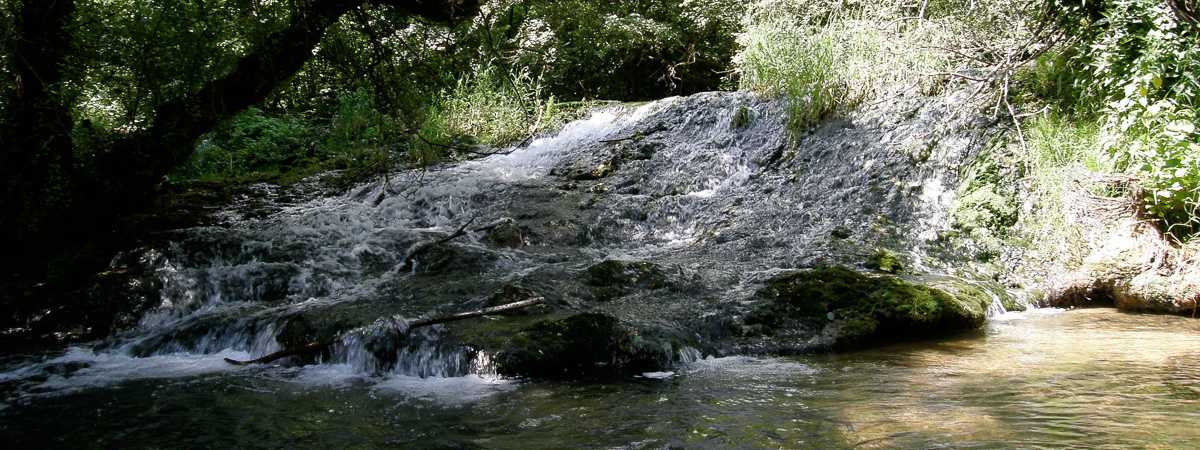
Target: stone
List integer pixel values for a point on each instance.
(612, 279)
(864, 308)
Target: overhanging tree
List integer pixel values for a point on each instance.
(49, 205)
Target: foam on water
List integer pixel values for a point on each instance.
(451, 390)
(81, 368)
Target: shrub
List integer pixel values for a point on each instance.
(490, 108)
(627, 50)
(828, 58)
(252, 142)
(1141, 69)
(361, 138)
(256, 145)
(782, 60)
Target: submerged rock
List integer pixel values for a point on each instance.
(836, 307)
(512, 293)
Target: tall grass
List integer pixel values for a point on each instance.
(1062, 154)
(827, 60)
(488, 108)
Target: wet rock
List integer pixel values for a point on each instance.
(1173, 292)
(588, 170)
(451, 258)
(612, 279)
(885, 260)
(506, 234)
(582, 345)
(836, 307)
(117, 298)
(512, 293)
(840, 233)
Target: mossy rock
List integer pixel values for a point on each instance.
(585, 345)
(742, 118)
(613, 278)
(512, 293)
(507, 234)
(856, 308)
(985, 208)
(885, 260)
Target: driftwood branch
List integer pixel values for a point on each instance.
(421, 248)
(316, 346)
(476, 313)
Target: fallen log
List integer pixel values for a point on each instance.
(316, 346)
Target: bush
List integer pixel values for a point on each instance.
(489, 108)
(361, 138)
(252, 142)
(255, 145)
(780, 60)
(627, 50)
(1141, 69)
(827, 58)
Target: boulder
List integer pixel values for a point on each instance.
(581, 345)
(836, 307)
(613, 279)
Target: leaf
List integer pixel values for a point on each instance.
(1181, 127)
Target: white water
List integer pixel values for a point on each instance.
(706, 206)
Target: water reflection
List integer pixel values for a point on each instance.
(1082, 379)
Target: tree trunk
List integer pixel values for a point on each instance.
(57, 224)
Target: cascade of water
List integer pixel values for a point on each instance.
(719, 208)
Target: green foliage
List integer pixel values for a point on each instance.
(130, 57)
(885, 260)
(283, 147)
(252, 142)
(488, 107)
(626, 50)
(1063, 151)
(491, 108)
(1142, 69)
(986, 204)
(829, 57)
(361, 137)
(6, 40)
(803, 67)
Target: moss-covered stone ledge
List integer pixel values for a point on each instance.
(839, 308)
(579, 345)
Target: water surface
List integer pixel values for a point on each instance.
(1085, 379)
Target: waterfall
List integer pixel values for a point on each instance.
(717, 208)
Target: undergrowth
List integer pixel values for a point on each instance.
(485, 110)
(828, 58)
(1135, 66)
(490, 108)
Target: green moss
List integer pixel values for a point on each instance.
(865, 307)
(507, 234)
(985, 208)
(742, 118)
(582, 345)
(511, 293)
(885, 260)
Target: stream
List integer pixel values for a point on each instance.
(1093, 378)
(647, 231)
